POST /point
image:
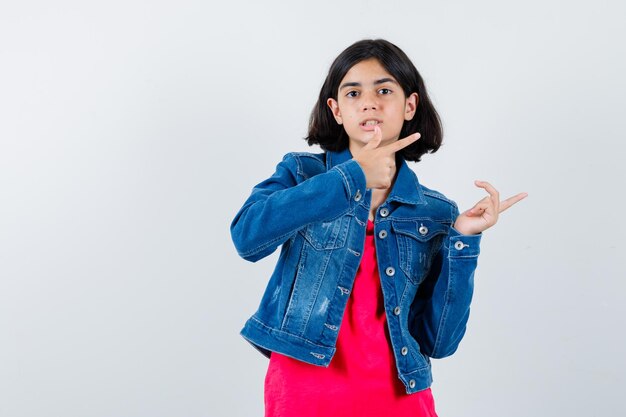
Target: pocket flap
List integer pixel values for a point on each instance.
(421, 230)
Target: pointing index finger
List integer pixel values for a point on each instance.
(403, 143)
(512, 200)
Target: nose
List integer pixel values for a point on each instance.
(369, 101)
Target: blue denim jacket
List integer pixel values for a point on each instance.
(316, 206)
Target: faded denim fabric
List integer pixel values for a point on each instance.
(316, 206)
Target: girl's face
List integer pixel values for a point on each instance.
(369, 95)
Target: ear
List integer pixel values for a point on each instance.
(410, 106)
(334, 107)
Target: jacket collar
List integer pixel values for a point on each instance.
(406, 189)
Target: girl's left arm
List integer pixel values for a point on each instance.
(442, 302)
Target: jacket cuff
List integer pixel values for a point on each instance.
(354, 179)
(463, 246)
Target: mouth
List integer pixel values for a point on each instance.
(369, 124)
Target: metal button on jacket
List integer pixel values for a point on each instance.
(458, 245)
(382, 234)
(396, 310)
(423, 230)
(412, 383)
(384, 212)
(357, 196)
(404, 350)
(390, 271)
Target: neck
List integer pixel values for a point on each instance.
(354, 148)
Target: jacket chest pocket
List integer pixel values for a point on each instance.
(418, 241)
(327, 235)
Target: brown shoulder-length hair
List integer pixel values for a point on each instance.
(331, 136)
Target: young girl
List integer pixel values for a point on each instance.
(375, 273)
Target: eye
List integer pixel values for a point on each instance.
(352, 93)
(384, 91)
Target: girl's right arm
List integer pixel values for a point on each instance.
(288, 201)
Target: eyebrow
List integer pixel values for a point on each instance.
(381, 81)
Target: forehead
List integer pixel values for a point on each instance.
(366, 72)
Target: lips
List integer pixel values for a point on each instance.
(370, 122)
(368, 125)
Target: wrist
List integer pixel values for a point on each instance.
(464, 231)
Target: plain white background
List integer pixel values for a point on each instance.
(132, 131)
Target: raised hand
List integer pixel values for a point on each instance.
(378, 162)
(485, 213)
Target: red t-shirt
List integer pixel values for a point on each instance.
(361, 379)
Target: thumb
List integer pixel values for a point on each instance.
(375, 140)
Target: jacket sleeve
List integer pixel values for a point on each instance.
(286, 202)
(443, 300)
